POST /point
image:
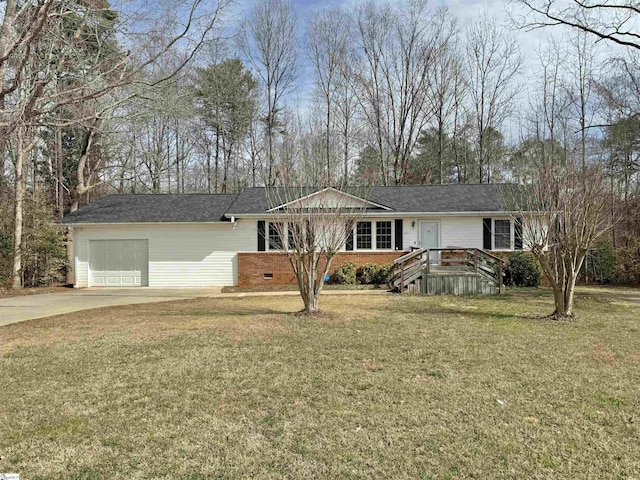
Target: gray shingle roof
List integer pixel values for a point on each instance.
(455, 198)
(441, 198)
(407, 199)
(153, 208)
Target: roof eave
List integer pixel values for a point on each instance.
(84, 224)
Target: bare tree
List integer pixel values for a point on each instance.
(562, 214)
(493, 63)
(329, 44)
(311, 226)
(271, 47)
(604, 19)
(61, 56)
(581, 85)
(443, 92)
(397, 48)
(347, 115)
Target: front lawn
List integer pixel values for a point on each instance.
(377, 387)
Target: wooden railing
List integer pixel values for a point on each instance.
(421, 261)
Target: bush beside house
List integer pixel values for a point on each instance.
(368, 274)
(345, 274)
(521, 270)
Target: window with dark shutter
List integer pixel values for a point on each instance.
(517, 232)
(349, 244)
(294, 235)
(502, 234)
(275, 240)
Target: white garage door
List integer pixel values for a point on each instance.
(119, 263)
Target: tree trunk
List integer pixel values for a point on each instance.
(60, 173)
(217, 161)
(328, 141)
(16, 270)
(208, 169)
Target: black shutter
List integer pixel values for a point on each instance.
(486, 233)
(349, 244)
(399, 234)
(517, 231)
(262, 244)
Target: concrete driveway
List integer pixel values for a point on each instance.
(28, 307)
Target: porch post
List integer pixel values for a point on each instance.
(428, 261)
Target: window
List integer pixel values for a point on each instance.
(275, 241)
(383, 235)
(502, 234)
(363, 235)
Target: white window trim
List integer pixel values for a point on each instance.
(268, 243)
(511, 235)
(373, 248)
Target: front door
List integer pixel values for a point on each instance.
(430, 238)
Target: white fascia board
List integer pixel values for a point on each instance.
(397, 214)
(140, 224)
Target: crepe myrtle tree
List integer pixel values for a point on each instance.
(312, 224)
(562, 213)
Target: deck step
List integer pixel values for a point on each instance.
(457, 284)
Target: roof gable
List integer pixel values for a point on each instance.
(326, 199)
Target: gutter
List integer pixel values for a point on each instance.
(398, 214)
(137, 224)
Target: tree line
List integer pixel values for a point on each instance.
(97, 98)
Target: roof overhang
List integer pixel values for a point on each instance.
(137, 224)
(397, 214)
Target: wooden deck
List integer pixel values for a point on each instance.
(449, 271)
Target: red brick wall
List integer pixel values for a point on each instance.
(252, 266)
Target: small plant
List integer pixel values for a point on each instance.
(375, 274)
(521, 270)
(385, 274)
(345, 274)
(367, 273)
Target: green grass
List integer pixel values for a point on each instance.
(376, 387)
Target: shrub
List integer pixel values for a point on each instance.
(385, 274)
(345, 274)
(43, 243)
(375, 274)
(521, 270)
(6, 255)
(627, 261)
(599, 264)
(367, 273)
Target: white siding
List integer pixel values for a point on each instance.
(410, 234)
(461, 232)
(179, 255)
(454, 231)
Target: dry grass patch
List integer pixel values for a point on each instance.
(10, 292)
(376, 387)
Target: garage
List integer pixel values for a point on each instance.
(119, 263)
